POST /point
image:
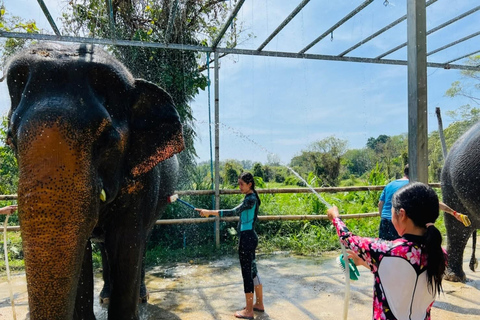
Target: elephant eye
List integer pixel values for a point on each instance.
(109, 88)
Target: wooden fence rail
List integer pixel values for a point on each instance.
(217, 220)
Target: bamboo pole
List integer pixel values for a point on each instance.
(275, 190)
(261, 218)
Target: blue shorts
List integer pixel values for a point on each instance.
(387, 230)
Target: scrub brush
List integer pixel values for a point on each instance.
(354, 274)
(175, 197)
(463, 218)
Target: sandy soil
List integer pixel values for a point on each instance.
(295, 288)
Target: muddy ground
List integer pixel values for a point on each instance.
(295, 288)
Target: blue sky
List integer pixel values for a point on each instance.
(282, 105)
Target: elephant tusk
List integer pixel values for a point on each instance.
(103, 195)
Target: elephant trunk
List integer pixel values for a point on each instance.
(57, 212)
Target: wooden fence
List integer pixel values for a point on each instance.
(217, 220)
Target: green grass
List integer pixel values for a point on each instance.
(184, 243)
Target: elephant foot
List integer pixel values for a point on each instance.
(453, 277)
(145, 298)
(473, 264)
(104, 301)
(105, 296)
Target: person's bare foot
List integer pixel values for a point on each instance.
(243, 314)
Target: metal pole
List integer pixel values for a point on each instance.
(417, 91)
(254, 52)
(217, 152)
(49, 17)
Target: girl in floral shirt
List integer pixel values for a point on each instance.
(408, 271)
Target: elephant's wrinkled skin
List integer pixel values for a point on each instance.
(461, 190)
(79, 124)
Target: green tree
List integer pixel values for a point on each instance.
(323, 158)
(13, 24)
(257, 170)
(372, 143)
(232, 170)
(189, 22)
(8, 164)
(359, 161)
(8, 169)
(469, 85)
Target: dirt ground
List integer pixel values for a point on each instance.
(295, 288)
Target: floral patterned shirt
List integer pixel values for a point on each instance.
(399, 268)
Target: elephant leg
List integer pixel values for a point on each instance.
(124, 250)
(105, 293)
(84, 299)
(456, 241)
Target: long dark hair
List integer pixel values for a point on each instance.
(420, 203)
(247, 177)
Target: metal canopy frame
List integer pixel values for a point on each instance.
(416, 60)
(302, 54)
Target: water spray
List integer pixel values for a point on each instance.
(344, 251)
(348, 271)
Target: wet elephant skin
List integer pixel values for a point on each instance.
(96, 154)
(461, 191)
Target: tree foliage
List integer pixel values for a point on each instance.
(189, 22)
(13, 24)
(323, 158)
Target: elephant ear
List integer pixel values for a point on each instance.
(155, 128)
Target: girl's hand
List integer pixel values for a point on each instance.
(332, 213)
(356, 259)
(8, 209)
(201, 212)
(207, 213)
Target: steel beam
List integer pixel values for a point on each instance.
(227, 24)
(454, 43)
(284, 23)
(441, 26)
(336, 25)
(391, 25)
(417, 91)
(187, 47)
(49, 17)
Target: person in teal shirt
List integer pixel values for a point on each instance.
(387, 230)
(248, 241)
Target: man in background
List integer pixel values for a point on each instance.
(387, 230)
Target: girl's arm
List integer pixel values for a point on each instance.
(246, 204)
(368, 249)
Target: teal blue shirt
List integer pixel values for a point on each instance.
(387, 195)
(246, 210)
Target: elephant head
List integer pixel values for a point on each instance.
(82, 129)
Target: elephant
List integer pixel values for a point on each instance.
(460, 183)
(96, 150)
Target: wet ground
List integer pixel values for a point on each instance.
(295, 288)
